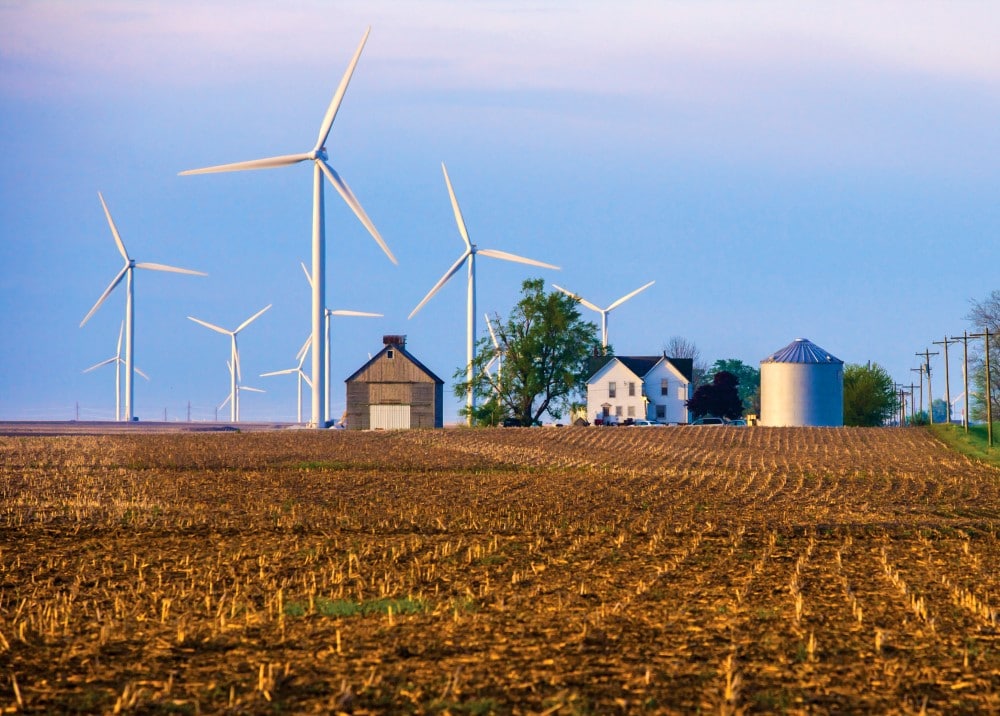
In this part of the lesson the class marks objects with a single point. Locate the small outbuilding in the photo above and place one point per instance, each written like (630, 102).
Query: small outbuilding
(801, 385)
(394, 391)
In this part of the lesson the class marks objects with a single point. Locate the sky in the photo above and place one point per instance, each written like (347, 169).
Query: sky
(781, 169)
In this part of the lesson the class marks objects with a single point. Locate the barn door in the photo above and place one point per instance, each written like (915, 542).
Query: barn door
(389, 417)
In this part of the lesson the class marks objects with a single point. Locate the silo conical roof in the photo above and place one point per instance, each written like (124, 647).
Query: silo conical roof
(801, 350)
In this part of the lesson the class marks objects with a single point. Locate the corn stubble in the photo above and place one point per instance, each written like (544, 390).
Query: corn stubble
(498, 571)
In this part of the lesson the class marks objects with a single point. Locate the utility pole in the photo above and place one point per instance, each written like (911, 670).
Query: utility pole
(920, 370)
(930, 398)
(913, 395)
(965, 375)
(78, 411)
(947, 376)
(989, 388)
(189, 411)
(901, 391)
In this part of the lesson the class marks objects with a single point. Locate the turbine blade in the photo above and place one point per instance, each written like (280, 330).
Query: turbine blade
(352, 201)
(268, 163)
(121, 330)
(98, 365)
(252, 390)
(360, 314)
(338, 96)
(223, 403)
(301, 355)
(306, 379)
(252, 318)
(581, 299)
(458, 212)
(623, 299)
(309, 277)
(117, 280)
(211, 326)
(279, 372)
(140, 372)
(493, 335)
(172, 269)
(444, 279)
(114, 229)
(493, 253)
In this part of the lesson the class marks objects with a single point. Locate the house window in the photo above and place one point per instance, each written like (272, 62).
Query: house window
(631, 390)
(390, 354)
(682, 392)
(664, 387)
(661, 412)
(618, 410)
(631, 411)
(612, 390)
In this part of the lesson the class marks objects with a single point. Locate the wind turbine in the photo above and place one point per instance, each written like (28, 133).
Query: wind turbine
(239, 388)
(297, 370)
(126, 272)
(328, 314)
(497, 353)
(117, 360)
(604, 311)
(471, 250)
(234, 358)
(318, 156)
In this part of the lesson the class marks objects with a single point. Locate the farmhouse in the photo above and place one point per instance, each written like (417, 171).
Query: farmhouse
(393, 391)
(639, 387)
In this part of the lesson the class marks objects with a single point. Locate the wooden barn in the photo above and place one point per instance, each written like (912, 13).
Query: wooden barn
(394, 391)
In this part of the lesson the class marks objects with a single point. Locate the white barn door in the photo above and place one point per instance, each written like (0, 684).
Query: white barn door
(389, 417)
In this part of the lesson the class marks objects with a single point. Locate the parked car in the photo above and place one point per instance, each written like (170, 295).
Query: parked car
(709, 421)
(644, 424)
(738, 423)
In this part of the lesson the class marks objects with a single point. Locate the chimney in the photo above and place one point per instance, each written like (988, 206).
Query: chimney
(399, 341)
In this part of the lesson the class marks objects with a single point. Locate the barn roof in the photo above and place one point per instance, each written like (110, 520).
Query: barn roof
(401, 350)
(801, 350)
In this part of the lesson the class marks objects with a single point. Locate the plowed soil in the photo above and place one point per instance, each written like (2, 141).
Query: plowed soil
(546, 570)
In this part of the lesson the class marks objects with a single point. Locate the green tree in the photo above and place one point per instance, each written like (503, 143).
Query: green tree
(749, 381)
(870, 396)
(544, 349)
(985, 314)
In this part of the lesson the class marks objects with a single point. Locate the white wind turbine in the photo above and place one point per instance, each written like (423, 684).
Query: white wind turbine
(234, 358)
(604, 311)
(299, 373)
(498, 352)
(318, 156)
(328, 314)
(126, 272)
(239, 388)
(118, 361)
(471, 250)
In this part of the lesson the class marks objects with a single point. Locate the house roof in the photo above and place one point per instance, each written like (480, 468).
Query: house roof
(400, 349)
(801, 350)
(641, 365)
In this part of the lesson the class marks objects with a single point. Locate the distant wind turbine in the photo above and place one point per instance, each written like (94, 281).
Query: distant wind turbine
(299, 373)
(126, 272)
(234, 358)
(498, 352)
(604, 311)
(328, 314)
(118, 361)
(318, 156)
(236, 391)
(471, 250)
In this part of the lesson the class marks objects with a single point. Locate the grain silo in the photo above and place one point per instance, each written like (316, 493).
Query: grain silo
(801, 385)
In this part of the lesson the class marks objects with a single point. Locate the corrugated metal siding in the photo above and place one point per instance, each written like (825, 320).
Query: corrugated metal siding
(389, 417)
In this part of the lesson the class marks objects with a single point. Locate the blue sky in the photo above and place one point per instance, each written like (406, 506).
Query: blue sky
(781, 169)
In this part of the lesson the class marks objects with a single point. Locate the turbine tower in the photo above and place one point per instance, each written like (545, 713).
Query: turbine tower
(471, 250)
(234, 359)
(318, 156)
(604, 311)
(239, 389)
(126, 272)
(117, 360)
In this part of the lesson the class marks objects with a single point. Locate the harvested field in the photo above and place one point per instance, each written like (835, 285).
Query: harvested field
(559, 571)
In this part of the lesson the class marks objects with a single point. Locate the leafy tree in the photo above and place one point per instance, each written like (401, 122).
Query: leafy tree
(985, 314)
(870, 396)
(545, 346)
(749, 381)
(719, 398)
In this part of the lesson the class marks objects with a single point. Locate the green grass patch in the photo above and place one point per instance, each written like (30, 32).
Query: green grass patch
(351, 608)
(973, 444)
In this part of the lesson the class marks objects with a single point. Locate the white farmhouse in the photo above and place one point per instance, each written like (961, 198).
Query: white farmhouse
(639, 387)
